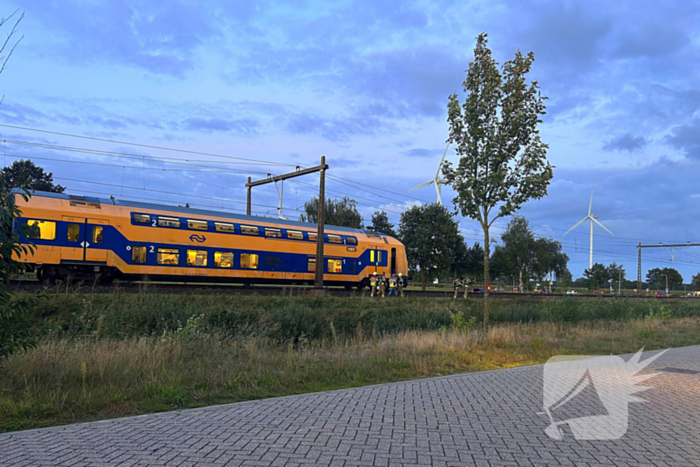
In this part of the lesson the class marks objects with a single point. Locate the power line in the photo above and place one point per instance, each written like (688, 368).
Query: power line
(185, 151)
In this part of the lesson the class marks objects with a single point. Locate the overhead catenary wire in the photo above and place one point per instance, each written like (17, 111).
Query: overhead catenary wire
(185, 151)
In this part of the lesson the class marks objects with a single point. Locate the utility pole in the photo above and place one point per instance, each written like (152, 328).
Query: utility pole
(639, 268)
(619, 281)
(250, 188)
(321, 218)
(318, 283)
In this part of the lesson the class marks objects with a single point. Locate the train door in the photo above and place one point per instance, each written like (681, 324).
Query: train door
(376, 258)
(393, 261)
(84, 237)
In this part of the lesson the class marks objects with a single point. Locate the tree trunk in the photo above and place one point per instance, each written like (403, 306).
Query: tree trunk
(520, 282)
(487, 248)
(422, 277)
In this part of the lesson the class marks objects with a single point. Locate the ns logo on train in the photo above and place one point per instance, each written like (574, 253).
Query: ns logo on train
(198, 238)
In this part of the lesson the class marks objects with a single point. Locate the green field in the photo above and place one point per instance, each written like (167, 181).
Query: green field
(107, 355)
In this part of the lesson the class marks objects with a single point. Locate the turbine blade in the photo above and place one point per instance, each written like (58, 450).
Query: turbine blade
(606, 229)
(577, 224)
(422, 185)
(439, 196)
(437, 174)
(591, 203)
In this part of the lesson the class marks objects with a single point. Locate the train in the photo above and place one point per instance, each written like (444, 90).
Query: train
(83, 238)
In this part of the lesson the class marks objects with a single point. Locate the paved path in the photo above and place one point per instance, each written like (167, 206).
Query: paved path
(487, 418)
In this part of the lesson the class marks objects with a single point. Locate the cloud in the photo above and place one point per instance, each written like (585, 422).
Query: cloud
(421, 152)
(686, 138)
(336, 129)
(626, 142)
(160, 37)
(239, 126)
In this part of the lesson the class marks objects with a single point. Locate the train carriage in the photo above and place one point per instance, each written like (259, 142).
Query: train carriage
(87, 238)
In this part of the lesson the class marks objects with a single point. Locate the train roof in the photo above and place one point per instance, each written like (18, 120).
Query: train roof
(192, 211)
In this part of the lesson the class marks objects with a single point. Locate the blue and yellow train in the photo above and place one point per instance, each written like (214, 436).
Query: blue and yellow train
(86, 238)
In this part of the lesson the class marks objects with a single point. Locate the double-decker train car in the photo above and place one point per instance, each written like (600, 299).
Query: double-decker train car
(86, 238)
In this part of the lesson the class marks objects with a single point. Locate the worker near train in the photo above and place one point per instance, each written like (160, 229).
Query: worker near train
(373, 283)
(392, 285)
(399, 285)
(456, 284)
(467, 284)
(382, 284)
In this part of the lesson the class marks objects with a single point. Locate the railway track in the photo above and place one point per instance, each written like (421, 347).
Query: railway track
(219, 289)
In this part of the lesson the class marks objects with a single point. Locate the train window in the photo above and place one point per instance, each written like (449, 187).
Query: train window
(141, 218)
(40, 230)
(96, 236)
(351, 248)
(249, 230)
(169, 256)
(73, 232)
(197, 225)
(168, 222)
(295, 235)
(351, 240)
(272, 261)
(274, 233)
(312, 264)
(335, 265)
(197, 258)
(313, 236)
(335, 239)
(138, 254)
(379, 256)
(385, 240)
(221, 227)
(223, 259)
(249, 261)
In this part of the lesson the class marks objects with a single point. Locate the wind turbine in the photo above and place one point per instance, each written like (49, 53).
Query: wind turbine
(437, 181)
(593, 219)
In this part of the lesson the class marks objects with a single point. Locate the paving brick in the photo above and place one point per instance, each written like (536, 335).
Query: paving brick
(473, 419)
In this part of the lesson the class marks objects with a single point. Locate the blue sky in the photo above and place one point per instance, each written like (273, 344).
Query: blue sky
(366, 84)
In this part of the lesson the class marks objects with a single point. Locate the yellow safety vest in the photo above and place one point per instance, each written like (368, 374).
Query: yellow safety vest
(392, 282)
(373, 280)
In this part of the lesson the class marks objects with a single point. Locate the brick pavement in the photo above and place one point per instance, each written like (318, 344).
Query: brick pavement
(486, 418)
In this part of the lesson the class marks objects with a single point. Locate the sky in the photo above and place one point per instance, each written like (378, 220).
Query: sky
(251, 88)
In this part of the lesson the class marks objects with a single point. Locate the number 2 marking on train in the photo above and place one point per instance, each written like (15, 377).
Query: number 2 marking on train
(154, 223)
(152, 249)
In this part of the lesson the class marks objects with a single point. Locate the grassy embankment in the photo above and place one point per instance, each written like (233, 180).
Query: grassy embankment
(102, 356)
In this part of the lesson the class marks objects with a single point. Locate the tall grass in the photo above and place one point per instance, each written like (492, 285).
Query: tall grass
(86, 376)
(127, 315)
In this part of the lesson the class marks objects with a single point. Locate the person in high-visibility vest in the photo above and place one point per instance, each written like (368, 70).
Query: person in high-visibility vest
(382, 284)
(399, 284)
(392, 285)
(456, 284)
(373, 283)
(467, 283)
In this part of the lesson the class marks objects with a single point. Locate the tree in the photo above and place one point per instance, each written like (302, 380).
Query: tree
(503, 162)
(380, 223)
(25, 173)
(14, 314)
(616, 273)
(431, 237)
(695, 283)
(518, 246)
(548, 258)
(598, 276)
(342, 213)
(657, 278)
(475, 261)
(564, 278)
(6, 48)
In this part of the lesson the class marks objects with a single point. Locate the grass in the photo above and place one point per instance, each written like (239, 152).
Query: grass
(102, 361)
